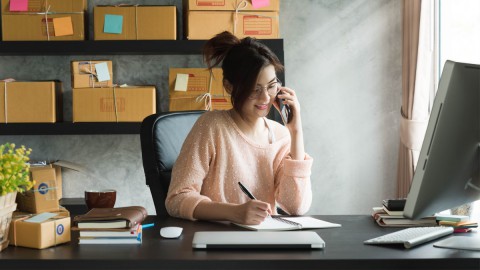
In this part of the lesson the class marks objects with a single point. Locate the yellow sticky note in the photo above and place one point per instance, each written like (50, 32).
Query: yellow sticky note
(181, 82)
(63, 26)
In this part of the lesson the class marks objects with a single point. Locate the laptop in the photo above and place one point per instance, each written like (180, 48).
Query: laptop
(257, 239)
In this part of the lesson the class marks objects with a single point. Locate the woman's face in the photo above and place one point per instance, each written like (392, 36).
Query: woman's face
(255, 107)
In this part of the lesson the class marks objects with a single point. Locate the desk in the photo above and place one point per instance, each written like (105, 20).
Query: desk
(344, 250)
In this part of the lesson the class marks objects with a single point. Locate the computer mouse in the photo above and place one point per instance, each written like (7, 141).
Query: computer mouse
(171, 232)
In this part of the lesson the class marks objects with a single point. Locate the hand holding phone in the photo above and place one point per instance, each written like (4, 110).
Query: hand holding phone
(285, 110)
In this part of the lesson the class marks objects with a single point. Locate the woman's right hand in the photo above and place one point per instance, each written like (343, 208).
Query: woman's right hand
(252, 212)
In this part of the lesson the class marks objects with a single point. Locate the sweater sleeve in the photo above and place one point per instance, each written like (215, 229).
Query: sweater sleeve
(293, 190)
(190, 170)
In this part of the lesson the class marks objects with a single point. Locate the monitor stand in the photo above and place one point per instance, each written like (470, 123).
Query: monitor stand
(460, 242)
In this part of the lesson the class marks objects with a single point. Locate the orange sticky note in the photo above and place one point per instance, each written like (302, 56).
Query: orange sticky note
(63, 26)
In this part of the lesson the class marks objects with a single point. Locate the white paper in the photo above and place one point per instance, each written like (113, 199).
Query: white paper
(41, 217)
(102, 72)
(181, 82)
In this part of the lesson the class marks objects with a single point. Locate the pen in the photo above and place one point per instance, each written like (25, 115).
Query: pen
(250, 195)
(245, 190)
(144, 226)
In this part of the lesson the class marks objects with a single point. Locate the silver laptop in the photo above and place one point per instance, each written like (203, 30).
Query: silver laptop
(257, 239)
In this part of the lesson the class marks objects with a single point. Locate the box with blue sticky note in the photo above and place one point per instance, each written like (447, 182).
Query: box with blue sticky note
(44, 196)
(41, 230)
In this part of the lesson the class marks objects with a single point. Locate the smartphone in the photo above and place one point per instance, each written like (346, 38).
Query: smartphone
(285, 111)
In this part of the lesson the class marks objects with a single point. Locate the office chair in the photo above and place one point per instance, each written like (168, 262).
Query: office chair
(161, 137)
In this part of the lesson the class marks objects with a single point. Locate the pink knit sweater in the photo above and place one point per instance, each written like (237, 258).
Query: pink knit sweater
(216, 155)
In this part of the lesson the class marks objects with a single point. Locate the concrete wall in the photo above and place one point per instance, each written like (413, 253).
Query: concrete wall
(342, 57)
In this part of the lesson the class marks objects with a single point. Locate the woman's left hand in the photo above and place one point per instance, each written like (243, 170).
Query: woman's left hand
(288, 97)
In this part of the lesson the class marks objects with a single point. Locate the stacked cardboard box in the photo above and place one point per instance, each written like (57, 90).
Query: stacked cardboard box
(84, 74)
(135, 23)
(197, 89)
(44, 196)
(113, 104)
(206, 18)
(43, 20)
(35, 231)
(30, 102)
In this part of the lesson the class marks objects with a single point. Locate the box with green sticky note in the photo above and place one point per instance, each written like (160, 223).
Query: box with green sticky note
(49, 20)
(135, 22)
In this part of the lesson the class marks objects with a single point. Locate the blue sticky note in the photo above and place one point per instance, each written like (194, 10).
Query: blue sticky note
(41, 217)
(113, 24)
(102, 71)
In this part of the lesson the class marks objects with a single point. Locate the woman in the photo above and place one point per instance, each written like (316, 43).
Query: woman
(242, 145)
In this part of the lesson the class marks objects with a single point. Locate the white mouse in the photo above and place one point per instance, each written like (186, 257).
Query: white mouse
(171, 232)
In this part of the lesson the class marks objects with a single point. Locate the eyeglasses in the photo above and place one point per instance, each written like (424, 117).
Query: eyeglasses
(272, 89)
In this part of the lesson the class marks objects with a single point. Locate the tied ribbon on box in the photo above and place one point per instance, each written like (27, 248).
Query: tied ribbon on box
(5, 81)
(88, 67)
(240, 7)
(46, 13)
(205, 97)
(136, 16)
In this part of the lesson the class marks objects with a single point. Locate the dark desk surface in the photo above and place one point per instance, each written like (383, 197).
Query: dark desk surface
(344, 250)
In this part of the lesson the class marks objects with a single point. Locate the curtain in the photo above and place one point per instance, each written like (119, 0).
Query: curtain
(417, 86)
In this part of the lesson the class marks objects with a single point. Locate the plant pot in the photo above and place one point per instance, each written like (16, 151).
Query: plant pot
(7, 206)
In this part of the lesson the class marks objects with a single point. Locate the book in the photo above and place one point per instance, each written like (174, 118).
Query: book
(289, 223)
(111, 218)
(454, 218)
(392, 213)
(110, 240)
(383, 219)
(131, 233)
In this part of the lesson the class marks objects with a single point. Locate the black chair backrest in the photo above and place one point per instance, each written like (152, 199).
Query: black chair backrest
(161, 137)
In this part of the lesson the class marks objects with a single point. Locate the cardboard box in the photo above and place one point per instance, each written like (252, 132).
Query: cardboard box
(206, 24)
(200, 82)
(131, 104)
(43, 197)
(135, 23)
(65, 20)
(84, 74)
(40, 235)
(274, 5)
(30, 102)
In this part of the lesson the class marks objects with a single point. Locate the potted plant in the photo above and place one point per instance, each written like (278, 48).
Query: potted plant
(14, 177)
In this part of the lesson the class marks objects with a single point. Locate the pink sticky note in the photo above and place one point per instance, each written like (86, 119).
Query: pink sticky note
(18, 5)
(260, 3)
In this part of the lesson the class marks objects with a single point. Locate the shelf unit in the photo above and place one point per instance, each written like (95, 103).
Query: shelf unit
(110, 47)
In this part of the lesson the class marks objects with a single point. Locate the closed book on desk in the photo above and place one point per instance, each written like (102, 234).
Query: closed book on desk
(289, 223)
(110, 240)
(105, 218)
(130, 233)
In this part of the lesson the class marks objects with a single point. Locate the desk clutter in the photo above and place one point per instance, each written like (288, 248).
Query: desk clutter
(60, 20)
(390, 214)
(120, 225)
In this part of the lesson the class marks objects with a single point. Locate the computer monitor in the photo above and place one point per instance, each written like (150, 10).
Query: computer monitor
(447, 172)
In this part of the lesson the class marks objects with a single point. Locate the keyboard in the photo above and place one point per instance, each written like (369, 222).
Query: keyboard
(411, 237)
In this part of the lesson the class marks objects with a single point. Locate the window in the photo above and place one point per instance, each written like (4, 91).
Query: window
(458, 39)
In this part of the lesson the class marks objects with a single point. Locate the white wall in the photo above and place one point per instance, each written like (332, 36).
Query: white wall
(344, 60)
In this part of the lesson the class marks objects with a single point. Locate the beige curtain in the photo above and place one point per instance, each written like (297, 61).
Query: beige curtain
(418, 85)
(411, 27)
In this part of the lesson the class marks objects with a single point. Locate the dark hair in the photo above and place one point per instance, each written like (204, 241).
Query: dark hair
(242, 60)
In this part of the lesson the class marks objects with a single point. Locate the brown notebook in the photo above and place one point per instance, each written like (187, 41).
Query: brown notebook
(111, 218)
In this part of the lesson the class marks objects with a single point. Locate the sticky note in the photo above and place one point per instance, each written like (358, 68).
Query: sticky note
(41, 217)
(113, 24)
(260, 3)
(63, 26)
(18, 5)
(181, 82)
(102, 72)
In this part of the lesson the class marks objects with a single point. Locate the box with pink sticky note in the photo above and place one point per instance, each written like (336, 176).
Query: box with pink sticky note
(36, 20)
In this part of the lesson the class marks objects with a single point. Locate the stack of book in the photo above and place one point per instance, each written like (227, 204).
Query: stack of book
(387, 218)
(460, 224)
(111, 225)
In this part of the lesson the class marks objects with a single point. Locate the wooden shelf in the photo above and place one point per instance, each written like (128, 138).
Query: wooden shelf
(110, 47)
(116, 47)
(68, 128)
